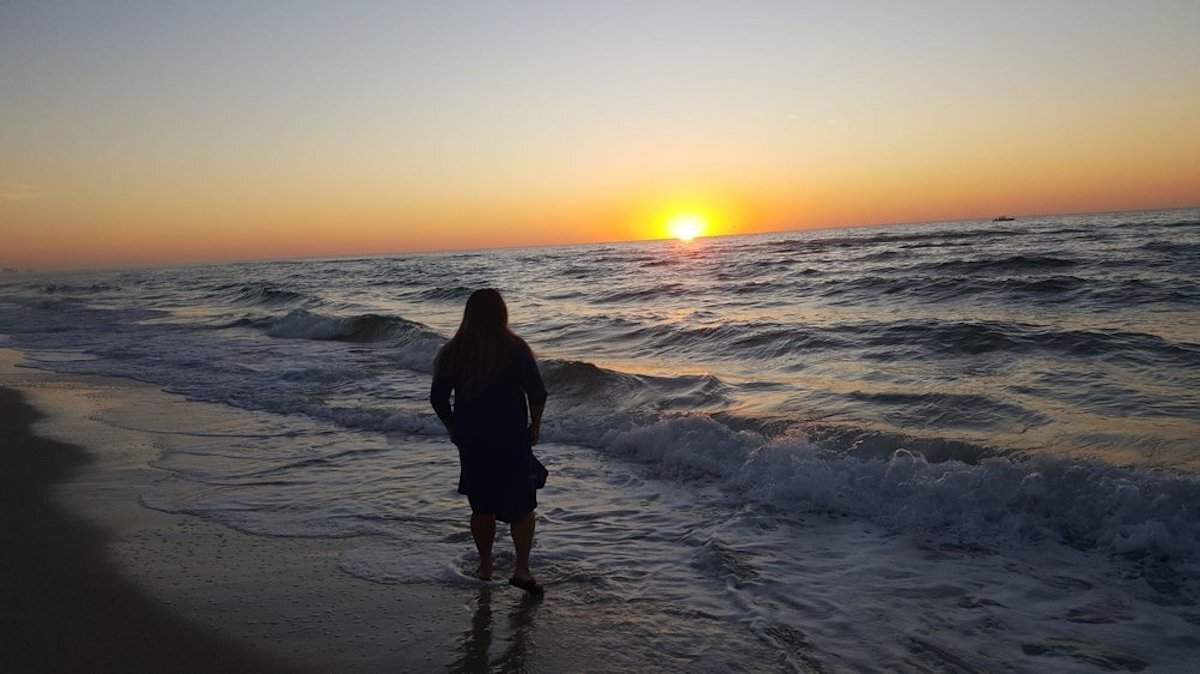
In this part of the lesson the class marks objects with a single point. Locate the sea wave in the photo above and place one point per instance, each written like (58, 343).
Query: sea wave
(660, 291)
(755, 340)
(949, 410)
(359, 328)
(255, 294)
(1083, 503)
(1012, 263)
(445, 294)
(1018, 290)
(602, 389)
(1191, 249)
(77, 288)
(414, 345)
(937, 237)
(973, 338)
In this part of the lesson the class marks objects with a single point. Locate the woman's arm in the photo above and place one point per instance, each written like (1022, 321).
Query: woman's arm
(535, 423)
(439, 397)
(535, 391)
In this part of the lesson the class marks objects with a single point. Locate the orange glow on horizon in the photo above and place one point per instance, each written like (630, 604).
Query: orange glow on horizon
(78, 231)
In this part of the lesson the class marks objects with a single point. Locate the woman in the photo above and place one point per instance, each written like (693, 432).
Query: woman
(492, 374)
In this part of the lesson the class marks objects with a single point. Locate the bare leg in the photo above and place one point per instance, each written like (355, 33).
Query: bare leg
(522, 535)
(483, 530)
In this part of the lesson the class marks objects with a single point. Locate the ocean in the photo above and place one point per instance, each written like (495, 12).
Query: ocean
(954, 446)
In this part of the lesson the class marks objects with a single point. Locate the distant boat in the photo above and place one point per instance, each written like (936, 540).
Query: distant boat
(1003, 218)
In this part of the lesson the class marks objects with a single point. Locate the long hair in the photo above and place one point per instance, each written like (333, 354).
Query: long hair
(481, 347)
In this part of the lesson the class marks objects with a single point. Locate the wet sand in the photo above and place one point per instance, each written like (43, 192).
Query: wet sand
(67, 607)
(91, 580)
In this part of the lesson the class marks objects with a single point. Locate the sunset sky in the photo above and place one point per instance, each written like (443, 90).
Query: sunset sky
(137, 133)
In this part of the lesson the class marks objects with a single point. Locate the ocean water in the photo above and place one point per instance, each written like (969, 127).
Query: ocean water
(960, 446)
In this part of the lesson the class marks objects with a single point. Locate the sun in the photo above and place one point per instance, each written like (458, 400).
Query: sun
(686, 226)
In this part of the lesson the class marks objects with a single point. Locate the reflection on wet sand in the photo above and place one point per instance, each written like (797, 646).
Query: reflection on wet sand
(515, 636)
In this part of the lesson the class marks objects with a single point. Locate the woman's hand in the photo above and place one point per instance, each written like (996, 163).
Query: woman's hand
(535, 423)
(450, 430)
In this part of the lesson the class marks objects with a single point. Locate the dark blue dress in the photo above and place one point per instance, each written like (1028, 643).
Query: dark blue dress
(491, 430)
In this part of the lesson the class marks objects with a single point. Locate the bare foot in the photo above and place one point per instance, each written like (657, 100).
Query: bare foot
(484, 572)
(527, 583)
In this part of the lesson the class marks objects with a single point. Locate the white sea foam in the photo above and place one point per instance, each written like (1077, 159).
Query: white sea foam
(998, 501)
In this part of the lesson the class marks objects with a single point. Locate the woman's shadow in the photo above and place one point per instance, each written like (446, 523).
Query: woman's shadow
(475, 650)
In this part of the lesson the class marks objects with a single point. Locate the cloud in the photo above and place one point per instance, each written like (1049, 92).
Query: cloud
(23, 192)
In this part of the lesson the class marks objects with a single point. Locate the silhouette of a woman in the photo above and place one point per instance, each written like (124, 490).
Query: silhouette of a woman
(494, 420)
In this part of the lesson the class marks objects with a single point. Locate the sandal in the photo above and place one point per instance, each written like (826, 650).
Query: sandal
(528, 584)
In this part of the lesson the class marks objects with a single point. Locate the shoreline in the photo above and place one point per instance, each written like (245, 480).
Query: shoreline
(97, 581)
(68, 607)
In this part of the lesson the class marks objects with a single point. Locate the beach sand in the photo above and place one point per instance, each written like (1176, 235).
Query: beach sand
(94, 581)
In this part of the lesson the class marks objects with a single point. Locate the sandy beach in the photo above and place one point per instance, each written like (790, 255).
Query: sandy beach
(68, 607)
(94, 581)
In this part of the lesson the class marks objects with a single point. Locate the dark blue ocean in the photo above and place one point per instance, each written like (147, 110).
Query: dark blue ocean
(957, 446)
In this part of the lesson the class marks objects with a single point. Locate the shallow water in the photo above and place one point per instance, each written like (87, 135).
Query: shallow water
(939, 447)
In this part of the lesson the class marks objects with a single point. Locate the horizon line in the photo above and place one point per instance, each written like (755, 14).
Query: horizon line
(10, 272)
